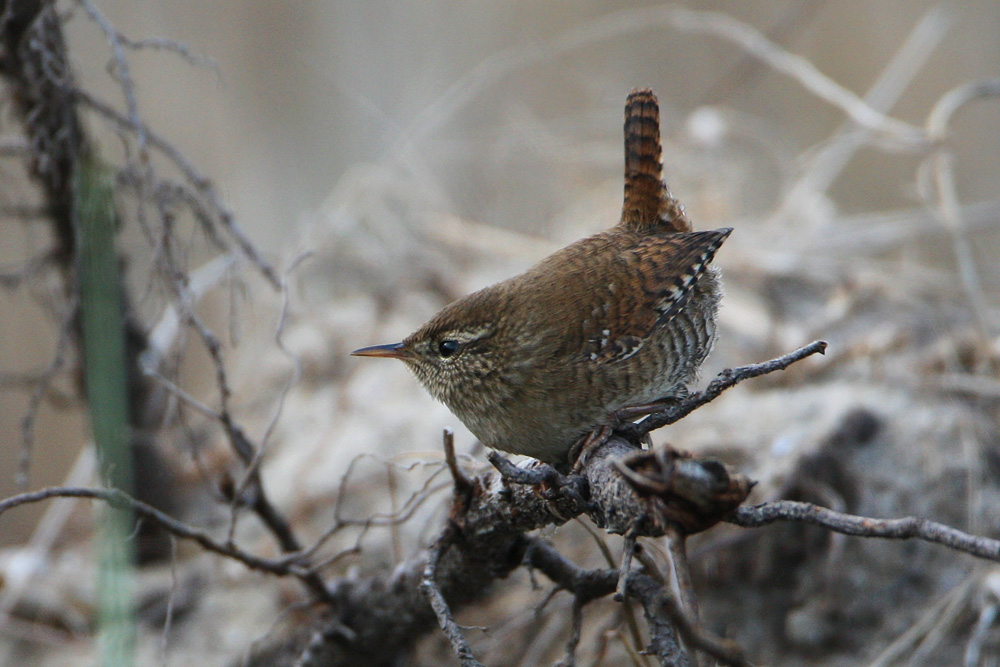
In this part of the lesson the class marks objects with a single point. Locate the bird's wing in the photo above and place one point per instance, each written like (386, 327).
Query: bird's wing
(661, 273)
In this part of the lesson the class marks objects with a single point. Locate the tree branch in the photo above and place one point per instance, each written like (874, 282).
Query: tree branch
(288, 565)
(447, 622)
(377, 619)
(728, 378)
(861, 526)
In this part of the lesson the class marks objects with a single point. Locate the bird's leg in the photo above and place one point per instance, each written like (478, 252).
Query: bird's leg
(630, 413)
(619, 418)
(623, 419)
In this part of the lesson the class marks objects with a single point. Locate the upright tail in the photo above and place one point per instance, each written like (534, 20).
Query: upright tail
(648, 207)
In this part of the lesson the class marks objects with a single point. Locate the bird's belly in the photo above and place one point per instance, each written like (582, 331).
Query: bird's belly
(683, 347)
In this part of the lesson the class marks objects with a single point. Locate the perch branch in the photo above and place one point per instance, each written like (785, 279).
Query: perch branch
(728, 378)
(377, 618)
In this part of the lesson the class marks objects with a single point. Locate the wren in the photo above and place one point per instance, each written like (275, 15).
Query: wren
(535, 363)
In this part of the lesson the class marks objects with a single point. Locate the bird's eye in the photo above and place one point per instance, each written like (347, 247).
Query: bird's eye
(447, 347)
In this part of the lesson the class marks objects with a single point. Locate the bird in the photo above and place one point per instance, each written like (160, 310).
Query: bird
(618, 322)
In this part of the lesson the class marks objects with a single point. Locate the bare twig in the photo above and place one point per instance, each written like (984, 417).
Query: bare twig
(729, 377)
(463, 485)
(904, 642)
(655, 601)
(447, 622)
(947, 192)
(803, 71)
(681, 589)
(14, 146)
(587, 585)
(67, 329)
(395, 517)
(168, 618)
(121, 500)
(208, 207)
(226, 218)
(539, 474)
(34, 62)
(542, 474)
(253, 456)
(987, 617)
(122, 71)
(152, 43)
(830, 160)
(680, 573)
(45, 536)
(486, 521)
(849, 524)
(279, 341)
(616, 24)
(576, 628)
(628, 553)
(290, 565)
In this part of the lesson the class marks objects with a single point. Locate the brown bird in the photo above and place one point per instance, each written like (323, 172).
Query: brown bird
(536, 363)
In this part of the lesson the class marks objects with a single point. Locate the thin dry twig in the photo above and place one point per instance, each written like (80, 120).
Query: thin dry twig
(429, 587)
(576, 629)
(837, 151)
(172, 262)
(614, 25)
(680, 586)
(150, 43)
(168, 618)
(728, 378)
(122, 71)
(14, 146)
(860, 526)
(913, 634)
(628, 553)
(587, 585)
(43, 540)
(279, 341)
(724, 650)
(463, 485)
(680, 572)
(974, 648)
(120, 500)
(290, 565)
(41, 388)
(803, 71)
(946, 190)
(202, 185)
(627, 612)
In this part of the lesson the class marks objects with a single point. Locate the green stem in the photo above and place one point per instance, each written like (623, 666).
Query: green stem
(102, 326)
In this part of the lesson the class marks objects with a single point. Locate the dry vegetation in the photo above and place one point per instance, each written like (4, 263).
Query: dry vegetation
(854, 150)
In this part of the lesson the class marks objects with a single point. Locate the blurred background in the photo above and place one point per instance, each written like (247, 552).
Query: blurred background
(397, 156)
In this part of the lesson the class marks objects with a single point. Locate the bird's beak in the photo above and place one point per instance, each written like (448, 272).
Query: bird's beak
(391, 351)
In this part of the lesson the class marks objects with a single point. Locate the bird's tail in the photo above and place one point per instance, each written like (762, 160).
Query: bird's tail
(648, 207)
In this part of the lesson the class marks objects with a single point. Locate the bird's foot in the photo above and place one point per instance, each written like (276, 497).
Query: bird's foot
(582, 448)
(547, 482)
(630, 413)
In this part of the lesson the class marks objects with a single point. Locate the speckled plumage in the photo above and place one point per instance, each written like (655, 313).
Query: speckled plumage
(623, 317)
